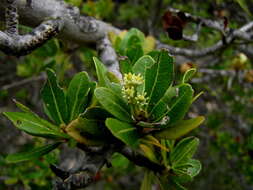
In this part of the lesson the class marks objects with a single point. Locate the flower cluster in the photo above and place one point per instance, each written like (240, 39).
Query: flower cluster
(132, 80)
(132, 93)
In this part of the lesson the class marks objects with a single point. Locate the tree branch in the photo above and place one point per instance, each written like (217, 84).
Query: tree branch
(54, 16)
(140, 160)
(84, 29)
(228, 36)
(23, 82)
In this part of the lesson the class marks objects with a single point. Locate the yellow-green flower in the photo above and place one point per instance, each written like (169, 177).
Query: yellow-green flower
(141, 100)
(132, 80)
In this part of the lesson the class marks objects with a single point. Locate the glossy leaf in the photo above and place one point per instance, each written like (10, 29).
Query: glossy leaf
(183, 151)
(93, 127)
(142, 64)
(187, 170)
(188, 75)
(32, 154)
(179, 129)
(149, 152)
(77, 94)
(159, 77)
(112, 77)
(28, 110)
(124, 131)
(125, 65)
(86, 132)
(113, 104)
(161, 108)
(32, 125)
(101, 70)
(149, 139)
(120, 162)
(167, 183)
(133, 36)
(54, 99)
(97, 113)
(134, 52)
(181, 104)
(195, 167)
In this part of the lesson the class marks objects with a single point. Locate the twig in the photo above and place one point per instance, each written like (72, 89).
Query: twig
(22, 82)
(228, 37)
(141, 160)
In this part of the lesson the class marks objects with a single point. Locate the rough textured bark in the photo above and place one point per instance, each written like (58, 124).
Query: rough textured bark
(51, 17)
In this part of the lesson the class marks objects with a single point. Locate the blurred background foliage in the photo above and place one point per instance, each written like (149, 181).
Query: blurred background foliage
(226, 149)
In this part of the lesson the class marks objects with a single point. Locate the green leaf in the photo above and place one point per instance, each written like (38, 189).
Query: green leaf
(170, 182)
(179, 129)
(147, 181)
(161, 108)
(244, 6)
(187, 170)
(112, 77)
(149, 152)
(134, 52)
(158, 78)
(87, 132)
(54, 99)
(120, 162)
(32, 154)
(101, 70)
(195, 167)
(125, 65)
(133, 36)
(175, 184)
(96, 113)
(142, 64)
(188, 75)
(77, 94)
(94, 127)
(116, 88)
(132, 45)
(113, 103)
(124, 131)
(181, 104)
(32, 125)
(183, 151)
(28, 110)
(11, 181)
(23, 107)
(164, 153)
(91, 100)
(250, 142)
